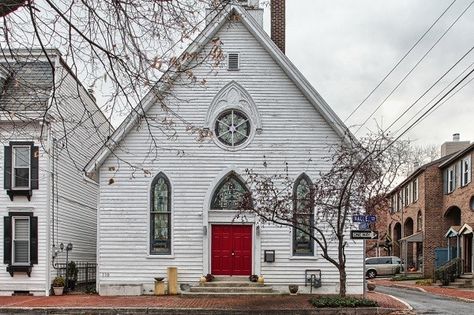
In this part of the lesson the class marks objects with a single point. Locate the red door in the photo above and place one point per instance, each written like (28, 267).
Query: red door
(231, 250)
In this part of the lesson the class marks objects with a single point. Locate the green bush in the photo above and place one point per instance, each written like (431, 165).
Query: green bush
(405, 278)
(58, 282)
(338, 301)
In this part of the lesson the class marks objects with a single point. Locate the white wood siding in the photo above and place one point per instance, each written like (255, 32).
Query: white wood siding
(293, 132)
(75, 199)
(36, 284)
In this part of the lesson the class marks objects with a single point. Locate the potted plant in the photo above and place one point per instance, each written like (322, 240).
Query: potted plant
(293, 288)
(72, 272)
(253, 278)
(209, 277)
(58, 285)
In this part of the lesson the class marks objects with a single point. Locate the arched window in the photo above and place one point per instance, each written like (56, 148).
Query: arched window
(303, 216)
(231, 194)
(160, 216)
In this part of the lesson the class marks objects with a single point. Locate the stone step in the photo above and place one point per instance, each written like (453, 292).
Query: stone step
(220, 294)
(231, 278)
(226, 290)
(230, 284)
(466, 276)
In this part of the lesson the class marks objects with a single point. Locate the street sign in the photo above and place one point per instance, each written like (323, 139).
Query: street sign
(364, 235)
(364, 218)
(364, 226)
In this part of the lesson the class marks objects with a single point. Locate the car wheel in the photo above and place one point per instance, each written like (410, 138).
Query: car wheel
(371, 274)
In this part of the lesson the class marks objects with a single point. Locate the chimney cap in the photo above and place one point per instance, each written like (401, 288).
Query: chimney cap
(456, 136)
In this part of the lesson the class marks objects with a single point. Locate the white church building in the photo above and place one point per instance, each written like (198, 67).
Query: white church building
(168, 198)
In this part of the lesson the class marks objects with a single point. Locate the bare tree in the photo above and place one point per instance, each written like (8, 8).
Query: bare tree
(361, 174)
(124, 48)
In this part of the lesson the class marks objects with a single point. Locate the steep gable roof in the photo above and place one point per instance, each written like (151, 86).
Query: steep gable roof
(198, 44)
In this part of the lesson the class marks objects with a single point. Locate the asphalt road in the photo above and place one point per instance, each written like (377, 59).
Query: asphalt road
(426, 303)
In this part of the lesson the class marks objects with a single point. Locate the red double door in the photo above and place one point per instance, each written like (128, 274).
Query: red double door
(231, 250)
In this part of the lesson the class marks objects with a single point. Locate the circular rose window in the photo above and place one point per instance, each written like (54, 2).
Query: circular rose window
(232, 128)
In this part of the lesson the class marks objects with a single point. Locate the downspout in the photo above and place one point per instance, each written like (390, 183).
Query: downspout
(48, 208)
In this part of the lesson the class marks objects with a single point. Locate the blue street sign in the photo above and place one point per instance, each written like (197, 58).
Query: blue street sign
(364, 218)
(363, 226)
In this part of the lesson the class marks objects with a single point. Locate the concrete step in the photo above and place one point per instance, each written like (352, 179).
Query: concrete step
(231, 278)
(230, 284)
(466, 276)
(221, 289)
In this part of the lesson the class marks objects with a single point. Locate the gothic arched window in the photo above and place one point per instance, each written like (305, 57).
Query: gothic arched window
(303, 216)
(231, 194)
(160, 216)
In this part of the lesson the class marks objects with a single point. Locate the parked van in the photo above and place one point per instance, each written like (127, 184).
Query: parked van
(382, 266)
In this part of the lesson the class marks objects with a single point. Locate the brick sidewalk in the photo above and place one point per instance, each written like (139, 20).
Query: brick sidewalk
(241, 303)
(465, 294)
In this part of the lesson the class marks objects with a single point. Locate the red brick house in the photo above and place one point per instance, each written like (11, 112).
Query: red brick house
(431, 209)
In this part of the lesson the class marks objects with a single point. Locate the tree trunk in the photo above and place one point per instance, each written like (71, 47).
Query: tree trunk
(342, 280)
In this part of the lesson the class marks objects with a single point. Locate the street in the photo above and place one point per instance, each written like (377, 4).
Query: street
(426, 303)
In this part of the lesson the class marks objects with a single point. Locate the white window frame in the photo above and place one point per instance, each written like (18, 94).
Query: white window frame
(415, 190)
(13, 159)
(451, 178)
(28, 239)
(465, 171)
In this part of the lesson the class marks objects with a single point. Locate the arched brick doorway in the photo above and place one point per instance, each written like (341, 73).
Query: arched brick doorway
(396, 236)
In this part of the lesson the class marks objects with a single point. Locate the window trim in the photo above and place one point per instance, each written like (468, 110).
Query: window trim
(13, 177)
(294, 230)
(466, 170)
(451, 179)
(151, 213)
(231, 175)
(13, 226)
(415, 190)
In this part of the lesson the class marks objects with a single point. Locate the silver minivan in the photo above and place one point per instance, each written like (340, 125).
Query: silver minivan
(382, 266)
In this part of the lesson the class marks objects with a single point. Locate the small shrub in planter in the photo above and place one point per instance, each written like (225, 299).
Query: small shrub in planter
(426, 282)
(253, 278)
(209, 277)
(293, 288)
(58, 285)
(338, 301)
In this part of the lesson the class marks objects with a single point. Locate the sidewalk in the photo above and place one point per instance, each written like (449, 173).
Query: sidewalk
(462, 294)
(177, 305)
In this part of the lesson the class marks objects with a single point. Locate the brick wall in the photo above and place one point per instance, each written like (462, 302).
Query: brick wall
(278, 23)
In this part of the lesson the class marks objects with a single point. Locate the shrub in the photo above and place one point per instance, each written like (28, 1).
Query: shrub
(405, 278)
(58, 282)
(72, 270)
(339, 301)
(426, 282)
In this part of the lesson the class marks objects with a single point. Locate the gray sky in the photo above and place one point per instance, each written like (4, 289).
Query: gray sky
(344, 48)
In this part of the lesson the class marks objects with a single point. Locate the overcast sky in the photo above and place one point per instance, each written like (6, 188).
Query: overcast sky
(345, 48)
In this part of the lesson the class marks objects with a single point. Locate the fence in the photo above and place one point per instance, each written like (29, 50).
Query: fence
(86, 271)
(449, 271)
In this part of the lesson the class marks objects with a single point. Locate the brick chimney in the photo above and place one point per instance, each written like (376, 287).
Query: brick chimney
(450, 147)
(278, 23)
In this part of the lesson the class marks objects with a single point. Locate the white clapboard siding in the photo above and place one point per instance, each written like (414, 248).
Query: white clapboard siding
(75, 216)
(293, 132)
(36, 284)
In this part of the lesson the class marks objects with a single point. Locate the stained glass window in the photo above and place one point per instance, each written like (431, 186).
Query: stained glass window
(231, 194)
(303, 215)
(160, 216)
(232, 128)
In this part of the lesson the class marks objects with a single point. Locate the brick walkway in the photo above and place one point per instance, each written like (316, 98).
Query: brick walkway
(285, 302)
(465, 294)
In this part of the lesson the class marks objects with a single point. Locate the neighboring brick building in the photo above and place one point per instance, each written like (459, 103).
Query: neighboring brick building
(436, 198)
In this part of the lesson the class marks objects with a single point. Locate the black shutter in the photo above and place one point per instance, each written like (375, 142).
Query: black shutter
(34, 240)
(7, 240)
(445, 181)
(34, 167)
(7, 174)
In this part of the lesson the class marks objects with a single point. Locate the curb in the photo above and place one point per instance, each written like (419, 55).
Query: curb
(426, 291)
(409, 307)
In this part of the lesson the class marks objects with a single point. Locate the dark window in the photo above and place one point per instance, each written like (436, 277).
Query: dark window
(303, 216)
(160, 216)
(21, 169)
(232, 128)
(20, 242)
(231, 194)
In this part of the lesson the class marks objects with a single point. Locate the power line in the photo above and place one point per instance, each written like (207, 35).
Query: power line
(431, 87)
(399, 62)
(415, 66)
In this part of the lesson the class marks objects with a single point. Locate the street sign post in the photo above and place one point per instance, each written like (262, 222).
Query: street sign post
(364, 218)
(364, 235)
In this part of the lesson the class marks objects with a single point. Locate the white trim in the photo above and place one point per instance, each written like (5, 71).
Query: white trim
(202, 39)
(13, 147)
(466, 169)
(171, 254)
(28, 238)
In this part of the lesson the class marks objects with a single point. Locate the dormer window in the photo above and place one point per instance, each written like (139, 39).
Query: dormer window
(233, 61)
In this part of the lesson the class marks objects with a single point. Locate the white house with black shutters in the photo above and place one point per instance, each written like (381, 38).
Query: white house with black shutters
(46, 200)
(171, 200)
